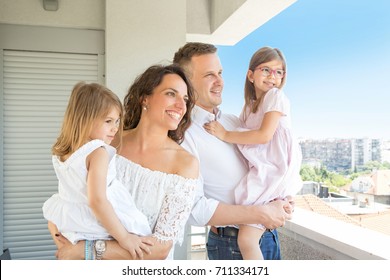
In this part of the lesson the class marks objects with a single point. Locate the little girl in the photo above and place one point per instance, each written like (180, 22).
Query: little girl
(91, 203)
(275, 164)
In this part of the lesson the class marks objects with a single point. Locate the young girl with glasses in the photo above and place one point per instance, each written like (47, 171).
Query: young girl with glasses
(91, 203)
(266, 140)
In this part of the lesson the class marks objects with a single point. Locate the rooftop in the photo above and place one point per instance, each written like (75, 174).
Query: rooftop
(375, 217)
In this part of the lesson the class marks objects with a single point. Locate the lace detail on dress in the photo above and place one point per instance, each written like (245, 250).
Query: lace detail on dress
(175, 211)
(165, 199)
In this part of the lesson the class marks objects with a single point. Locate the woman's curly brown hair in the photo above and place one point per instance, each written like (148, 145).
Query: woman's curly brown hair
(144, 85)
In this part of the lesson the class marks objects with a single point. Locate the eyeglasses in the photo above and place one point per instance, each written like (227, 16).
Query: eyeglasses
(266, 71)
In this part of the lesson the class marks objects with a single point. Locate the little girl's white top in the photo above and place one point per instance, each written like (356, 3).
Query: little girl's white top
(69, 209)
(274, 166)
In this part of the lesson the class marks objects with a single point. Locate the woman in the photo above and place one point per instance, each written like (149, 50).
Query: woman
(160, 175)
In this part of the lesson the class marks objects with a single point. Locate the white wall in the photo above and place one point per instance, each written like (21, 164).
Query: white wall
(138, 34)
(88, 14)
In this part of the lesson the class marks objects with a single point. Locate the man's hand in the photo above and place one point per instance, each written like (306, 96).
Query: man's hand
(275, 214)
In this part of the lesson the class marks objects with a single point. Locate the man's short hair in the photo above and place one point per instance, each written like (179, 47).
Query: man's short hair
(184, 54)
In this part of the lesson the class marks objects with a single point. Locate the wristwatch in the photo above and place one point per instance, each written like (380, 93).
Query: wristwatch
(100, 248)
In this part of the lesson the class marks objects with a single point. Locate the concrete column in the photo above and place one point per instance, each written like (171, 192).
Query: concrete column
(140, 33)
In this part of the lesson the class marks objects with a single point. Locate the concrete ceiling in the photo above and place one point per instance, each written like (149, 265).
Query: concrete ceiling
(226, 22)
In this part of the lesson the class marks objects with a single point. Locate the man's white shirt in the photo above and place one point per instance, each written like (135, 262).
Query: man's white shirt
(222, 166)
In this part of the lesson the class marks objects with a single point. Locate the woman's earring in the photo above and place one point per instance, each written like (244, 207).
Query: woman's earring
(144, 107)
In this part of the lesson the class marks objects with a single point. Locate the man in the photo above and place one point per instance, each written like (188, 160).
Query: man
(221, 164)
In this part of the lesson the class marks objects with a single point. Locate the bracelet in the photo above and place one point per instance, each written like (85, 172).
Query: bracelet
(93, 253)
(88, 250)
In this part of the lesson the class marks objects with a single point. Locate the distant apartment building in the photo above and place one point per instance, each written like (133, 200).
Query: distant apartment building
(385, 151)
(367, 150)
(376, 150)
(341, 154)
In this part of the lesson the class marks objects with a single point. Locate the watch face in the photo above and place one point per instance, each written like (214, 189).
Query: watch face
(100, 245)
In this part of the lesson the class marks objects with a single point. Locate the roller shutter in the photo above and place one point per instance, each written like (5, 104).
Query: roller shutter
(36, 88)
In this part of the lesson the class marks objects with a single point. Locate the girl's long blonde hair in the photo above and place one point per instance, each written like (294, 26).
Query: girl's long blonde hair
(263, 55)
(87, 103)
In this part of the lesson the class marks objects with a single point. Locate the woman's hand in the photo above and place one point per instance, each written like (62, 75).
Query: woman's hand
(68, 251)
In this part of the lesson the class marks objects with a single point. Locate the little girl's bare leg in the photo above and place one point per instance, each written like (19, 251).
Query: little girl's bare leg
(248, 241)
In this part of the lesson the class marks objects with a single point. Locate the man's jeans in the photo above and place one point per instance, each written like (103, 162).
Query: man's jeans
(226, 247)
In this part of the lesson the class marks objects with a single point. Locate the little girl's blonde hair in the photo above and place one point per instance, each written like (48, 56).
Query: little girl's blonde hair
(87, 103)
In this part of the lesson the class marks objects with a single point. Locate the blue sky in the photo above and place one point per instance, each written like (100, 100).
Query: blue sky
(338, 64)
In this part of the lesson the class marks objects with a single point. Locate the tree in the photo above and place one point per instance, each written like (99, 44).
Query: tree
(337, 180)
(386, 165)
(308, 174)
(321, 174)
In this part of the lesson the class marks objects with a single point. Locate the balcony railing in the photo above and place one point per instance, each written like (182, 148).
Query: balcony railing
(311, 236)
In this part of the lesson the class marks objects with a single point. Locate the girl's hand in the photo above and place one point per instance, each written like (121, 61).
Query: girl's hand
(148, 240)
(136, 245)
(289, 208)
(216, 129)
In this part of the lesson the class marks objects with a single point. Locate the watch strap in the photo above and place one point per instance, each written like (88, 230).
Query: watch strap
(99, 253)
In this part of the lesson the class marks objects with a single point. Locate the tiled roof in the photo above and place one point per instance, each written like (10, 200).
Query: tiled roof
(377, 221)
(313, 203)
